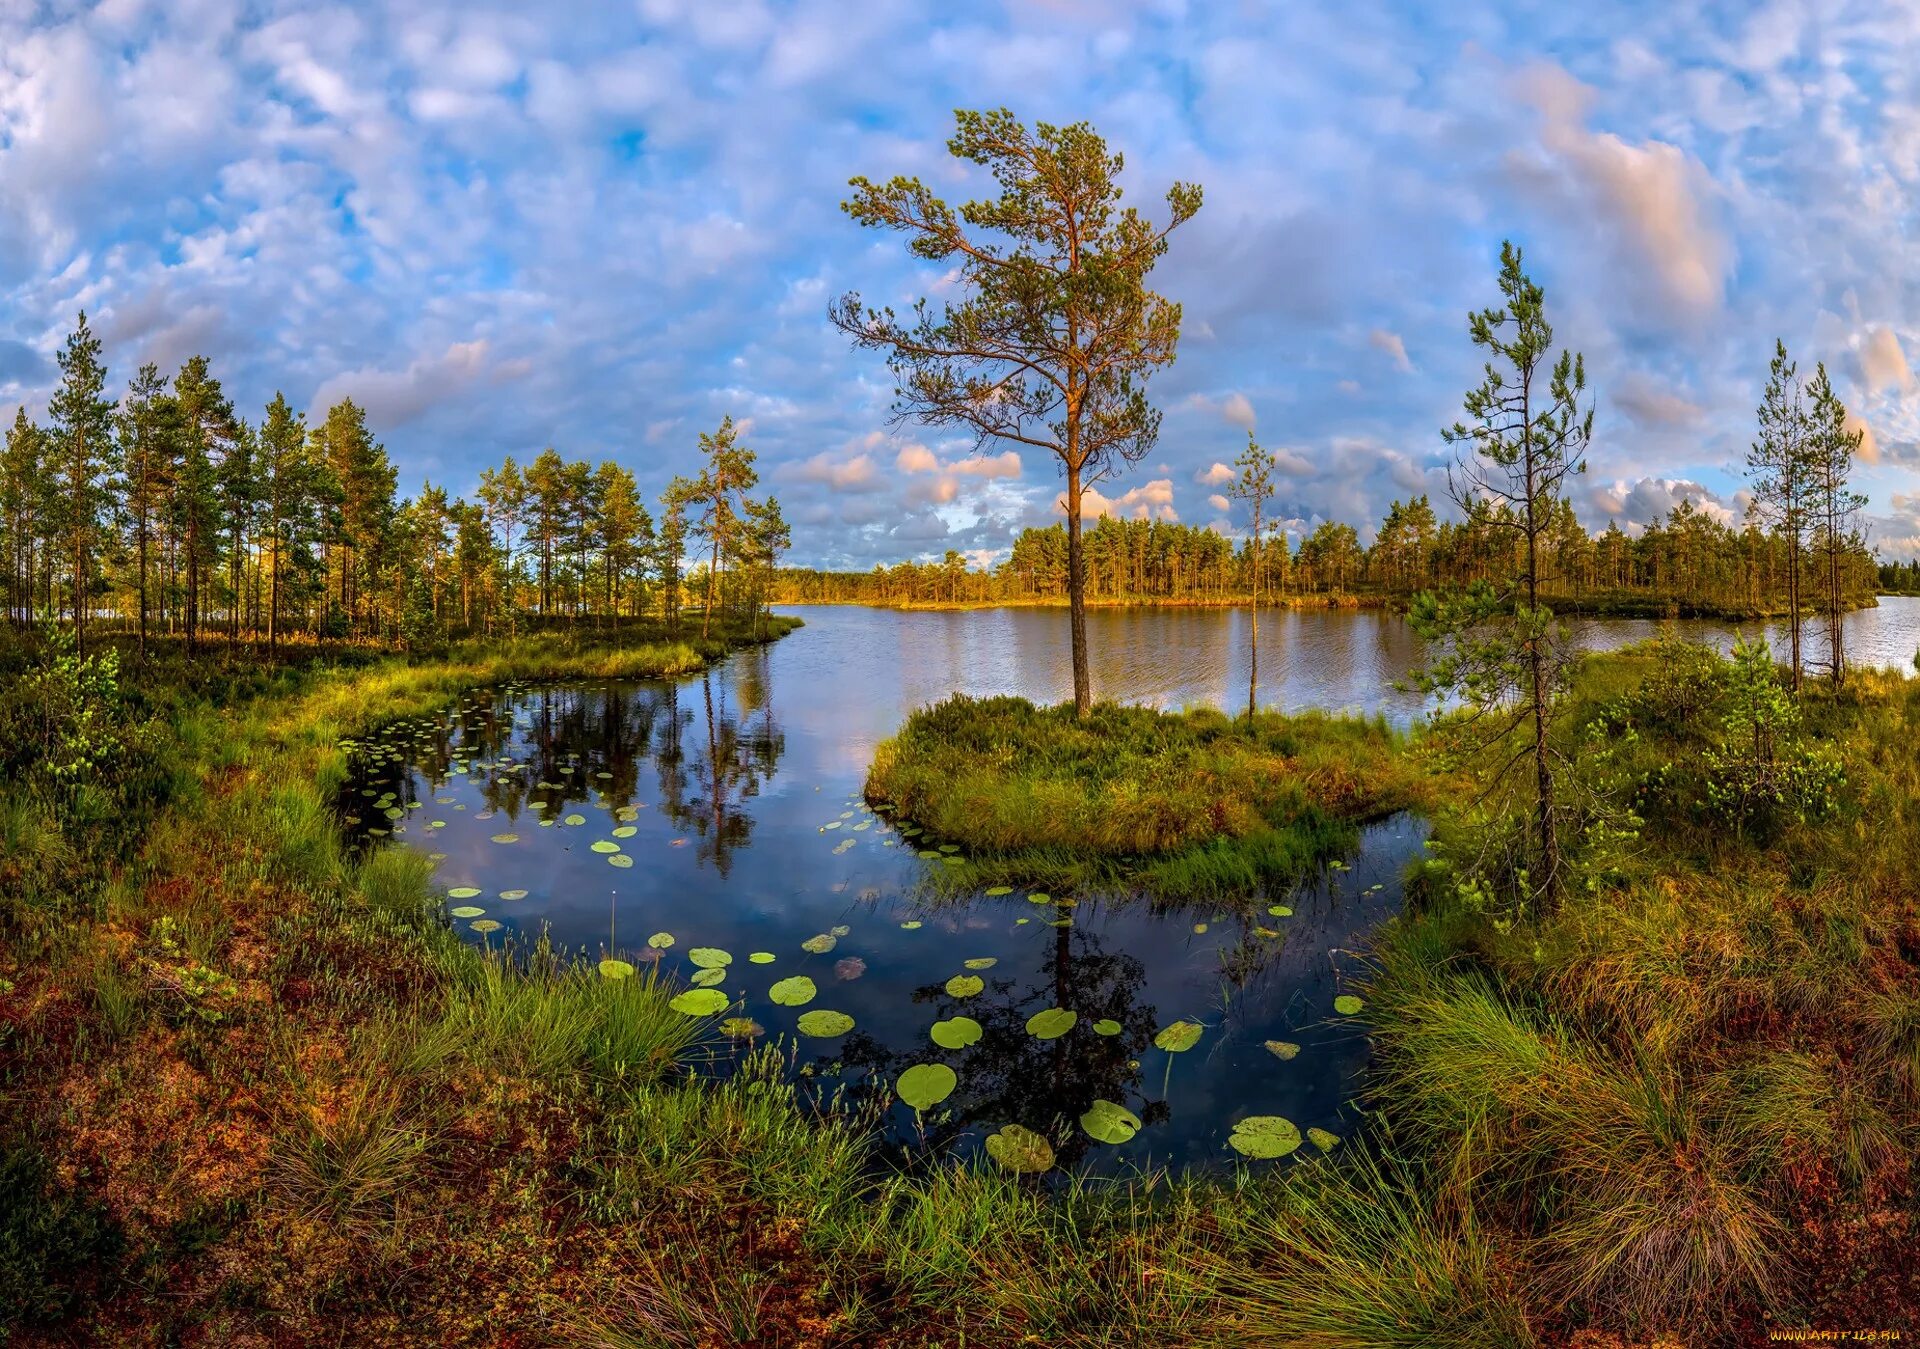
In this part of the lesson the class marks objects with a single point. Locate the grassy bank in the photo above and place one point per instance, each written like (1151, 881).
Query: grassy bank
(1189, 805)
(257, 1093)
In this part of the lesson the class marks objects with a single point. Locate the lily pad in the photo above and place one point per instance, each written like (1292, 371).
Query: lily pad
(660, 941)
(700, 1002)
(925, 1085)
(1279, 911)
(761, 957)
(820, 943)
(1108, 1122)
(466, 911)
(626, 831)
(513, 894)
(823, 1024)
(911, 925)
(484, 925)
(575, 818)
(741, 1028)
(1282, 1049)
(1346, 1004)
(621, 860)
(1323, 1140)
(1037, 897)
(506, 838)
(982, 962)
(708, 978)
(852, 967)
(1052, 1023)
(604, 845)
(1179, 1037)
(1106, 1026)
(956, 1033)
(995, 891)
(1264, 1136)
(965, 985)
(1020, 1149)
(463, 892)
(797, 991)
(709, 957)
(616, 969)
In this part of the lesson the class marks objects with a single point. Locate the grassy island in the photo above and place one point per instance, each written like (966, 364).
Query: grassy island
(1187, 805)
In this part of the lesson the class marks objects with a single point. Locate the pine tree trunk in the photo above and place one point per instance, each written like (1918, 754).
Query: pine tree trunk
(1077, 589)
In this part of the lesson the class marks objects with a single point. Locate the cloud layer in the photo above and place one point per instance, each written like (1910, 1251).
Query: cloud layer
(606, 227)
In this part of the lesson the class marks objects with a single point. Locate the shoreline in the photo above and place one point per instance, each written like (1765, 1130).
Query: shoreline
(1585, 607)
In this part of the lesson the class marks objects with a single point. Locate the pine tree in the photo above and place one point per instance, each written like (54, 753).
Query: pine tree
(25, 497)
(1834, 509)
(82, 450)
(728, 475)
(148, 447)
(1781, 466)
(1255, 487)
(207, 431)
(289, 498)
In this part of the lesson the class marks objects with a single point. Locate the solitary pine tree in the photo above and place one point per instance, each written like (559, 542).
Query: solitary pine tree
(1500, 648)
(1056, 332)
(1781, 468)
(1835, 509)
(81, 444)
(1255, 487)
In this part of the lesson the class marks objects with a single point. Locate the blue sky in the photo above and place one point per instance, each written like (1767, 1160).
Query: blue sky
(603, 226)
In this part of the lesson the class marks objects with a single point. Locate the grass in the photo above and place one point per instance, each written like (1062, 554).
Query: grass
(253, 1070)
(1187, 805)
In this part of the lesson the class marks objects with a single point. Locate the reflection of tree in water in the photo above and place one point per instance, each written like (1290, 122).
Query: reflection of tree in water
(1009, 1076)
(707, 774)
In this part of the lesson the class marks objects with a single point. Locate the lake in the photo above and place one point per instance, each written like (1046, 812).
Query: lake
(721, 815)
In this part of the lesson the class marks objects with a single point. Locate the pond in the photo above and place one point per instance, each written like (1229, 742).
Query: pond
(662, 822)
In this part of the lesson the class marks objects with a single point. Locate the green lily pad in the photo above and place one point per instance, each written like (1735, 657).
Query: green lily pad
(620, 859)
(1109, 1122)
(1279, 911)
(965, 985)
(995, 891)
(1179, 1037)
(660, 941)
(925, 1085)
(1346, 1004)
(700, 1002)
(574, 819)
(741, 1028)
(466, 911)
(956, 1033)
(604, 845)
(484, 925)
(1106, 1026)
(626, 831)
(820, 943)
(708, 978)
(506, 838)
(1282, 1049)
(709, 957)
(761, 957)
(1038, 897)
(911, 925)
(839, 930)
(1199, 929)
(824, 1025)
(513, 894)
(1020, 1149)
(982, 962)
(1264, 1136)
(616, 969)
(463, 892)
(1052, 1023)
(797, 991)
(1323, 1140)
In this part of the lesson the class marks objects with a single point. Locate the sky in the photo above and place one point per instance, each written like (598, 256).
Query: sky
(604, 226)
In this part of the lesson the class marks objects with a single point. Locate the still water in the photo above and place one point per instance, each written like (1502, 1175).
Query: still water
(723, 812)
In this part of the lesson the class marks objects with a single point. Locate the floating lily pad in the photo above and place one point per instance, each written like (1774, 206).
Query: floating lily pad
(709, 957)
(761, 957)
(484, 925)
(700, 1002)
(1179, 1037)
(1282, 1049)
(1279, 911)
(604, 845)
(1106, 1026)
(820, 944)
(466, 911)
(982, 962)
(840, 930)
(925, 1085)
(1323, 1140)
(506, 838)
(575, 818)
(956, 1033)
(616, 969)
(852, 967)
(823, 1024)
(797, 991)
(1346, 1004)
(1199, 929)
(965, 985)
(1052, 1023)
(1264, 1136)
(741, 1028)
(911, 925)
(708, 978)
(1109, 1122)
(621, 860)
(996, 891)
(660, 941)
(513, 894)
(463, 892)
(625, 831)
(1020, 1149)
(1037, 897)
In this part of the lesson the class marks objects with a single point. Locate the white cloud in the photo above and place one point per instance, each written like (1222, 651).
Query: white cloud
(1219, 502)
(1215, 474)
(1382, 340)
(394, 397)
(1149, 501)
(1883, 364)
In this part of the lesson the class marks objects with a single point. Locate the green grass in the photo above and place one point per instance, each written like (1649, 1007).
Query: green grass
(1187, 805)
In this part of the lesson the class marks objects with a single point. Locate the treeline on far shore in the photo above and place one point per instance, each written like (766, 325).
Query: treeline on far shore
(1688, 564)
